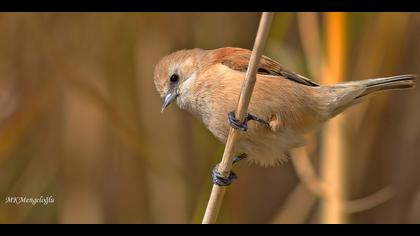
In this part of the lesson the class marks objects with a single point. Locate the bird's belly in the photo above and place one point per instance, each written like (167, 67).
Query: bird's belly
(271, 148)
(263, 146)
(220, 130)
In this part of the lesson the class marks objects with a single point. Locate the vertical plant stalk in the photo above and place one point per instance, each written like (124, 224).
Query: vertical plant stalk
(218, 192)
(309, 31)
(333, 155)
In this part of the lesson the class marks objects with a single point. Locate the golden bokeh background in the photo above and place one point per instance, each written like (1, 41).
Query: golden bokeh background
(80, 121)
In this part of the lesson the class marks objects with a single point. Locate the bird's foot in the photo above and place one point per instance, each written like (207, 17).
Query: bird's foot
(239, 158)
(236, 124)
(219, 179)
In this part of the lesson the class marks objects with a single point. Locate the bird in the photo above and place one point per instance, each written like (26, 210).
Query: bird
(284, 105)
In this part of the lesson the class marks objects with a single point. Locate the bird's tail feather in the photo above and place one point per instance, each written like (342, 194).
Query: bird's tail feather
(388, 83)
(353, 92)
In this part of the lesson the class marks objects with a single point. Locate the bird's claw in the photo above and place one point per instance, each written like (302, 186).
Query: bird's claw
(236, 124)
(219, 179)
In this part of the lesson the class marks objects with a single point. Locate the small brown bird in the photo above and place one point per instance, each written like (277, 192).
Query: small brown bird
(285, 105)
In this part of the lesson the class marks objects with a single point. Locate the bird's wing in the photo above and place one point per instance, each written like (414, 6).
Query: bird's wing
(238, 59)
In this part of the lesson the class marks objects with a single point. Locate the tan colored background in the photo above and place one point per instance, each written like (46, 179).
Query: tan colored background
(80, 119)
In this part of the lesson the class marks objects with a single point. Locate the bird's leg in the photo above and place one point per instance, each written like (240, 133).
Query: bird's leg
(239, 158)
(236, 124)
(219, 179)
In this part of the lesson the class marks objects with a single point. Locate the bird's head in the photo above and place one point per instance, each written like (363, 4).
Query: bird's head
(175, 72)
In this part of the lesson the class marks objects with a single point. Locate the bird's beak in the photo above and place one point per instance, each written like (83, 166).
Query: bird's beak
(169, 97)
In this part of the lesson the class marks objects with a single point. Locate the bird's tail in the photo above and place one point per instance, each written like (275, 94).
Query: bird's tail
(353, 92)
(388, 83)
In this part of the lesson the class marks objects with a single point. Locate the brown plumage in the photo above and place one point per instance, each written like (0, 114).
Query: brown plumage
(207, 83)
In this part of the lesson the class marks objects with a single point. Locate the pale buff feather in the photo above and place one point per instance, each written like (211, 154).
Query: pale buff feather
(290, 111)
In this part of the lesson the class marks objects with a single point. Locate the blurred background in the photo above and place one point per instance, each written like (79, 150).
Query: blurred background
(80, 121)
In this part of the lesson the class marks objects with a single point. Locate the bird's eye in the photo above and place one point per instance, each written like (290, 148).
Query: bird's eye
(174, 78)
